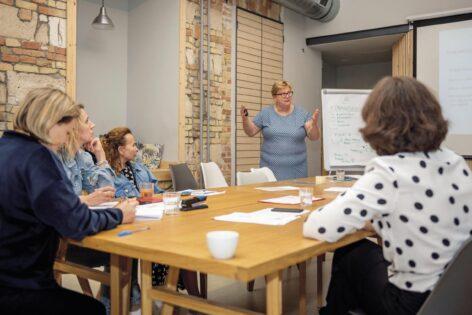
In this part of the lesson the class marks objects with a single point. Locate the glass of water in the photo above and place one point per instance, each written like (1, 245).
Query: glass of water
(306, 196)
(171, 202)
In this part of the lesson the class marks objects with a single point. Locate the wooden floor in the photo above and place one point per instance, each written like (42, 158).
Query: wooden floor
(235, 293)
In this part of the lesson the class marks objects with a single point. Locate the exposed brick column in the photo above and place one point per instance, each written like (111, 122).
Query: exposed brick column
(32, 51)
(221, 20)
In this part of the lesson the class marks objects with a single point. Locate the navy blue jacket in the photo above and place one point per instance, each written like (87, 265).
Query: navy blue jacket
(37, 206)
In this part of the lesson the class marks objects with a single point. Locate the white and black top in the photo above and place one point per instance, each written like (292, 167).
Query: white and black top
(420, 204)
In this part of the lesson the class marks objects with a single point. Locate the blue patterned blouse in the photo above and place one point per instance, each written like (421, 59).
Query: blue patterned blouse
(284, 148)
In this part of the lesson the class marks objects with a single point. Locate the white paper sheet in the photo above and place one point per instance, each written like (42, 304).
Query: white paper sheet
(151, 211)
(104, 205)
(278, 188)
(204, 192)
(287, 200)
(336, 189)
(264, 216)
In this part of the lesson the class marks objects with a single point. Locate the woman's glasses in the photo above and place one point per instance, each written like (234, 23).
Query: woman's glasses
(286, 94)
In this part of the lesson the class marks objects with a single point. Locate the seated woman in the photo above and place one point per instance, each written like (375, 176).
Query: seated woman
(417, 196)
(38, 205)
(120, 148)
(85, 175)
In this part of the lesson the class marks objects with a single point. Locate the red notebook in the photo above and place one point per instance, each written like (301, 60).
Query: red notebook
(146, 200)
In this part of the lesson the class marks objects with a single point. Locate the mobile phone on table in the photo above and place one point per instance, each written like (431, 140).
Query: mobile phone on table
(287, 210)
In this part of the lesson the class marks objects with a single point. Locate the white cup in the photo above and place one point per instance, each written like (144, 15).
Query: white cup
(222, 244)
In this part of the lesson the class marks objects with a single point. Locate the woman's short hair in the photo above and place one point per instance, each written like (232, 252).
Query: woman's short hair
(280, 85)
(41, 109)
(111, 141)
(402, 115)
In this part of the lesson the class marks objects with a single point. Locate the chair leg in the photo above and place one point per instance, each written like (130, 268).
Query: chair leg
(191, 282)
(250, 285)
(85, 286)
(319, 280)
(203, 285)
(302, 288)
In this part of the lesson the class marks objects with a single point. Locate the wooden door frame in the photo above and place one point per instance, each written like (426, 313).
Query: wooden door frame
(71, 54)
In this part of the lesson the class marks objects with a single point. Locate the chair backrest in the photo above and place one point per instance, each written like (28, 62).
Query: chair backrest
(452, 292)
(246, 178)
(267, 171)
(212, 175)
(182, 177)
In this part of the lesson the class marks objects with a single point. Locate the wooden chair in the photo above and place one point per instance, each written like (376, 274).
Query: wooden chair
(84, 274)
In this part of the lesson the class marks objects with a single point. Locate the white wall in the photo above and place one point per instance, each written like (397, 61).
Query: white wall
(361, 76)
(355, 15)
(302, 67)
(153, 72)
(102, 64)
(329, 80)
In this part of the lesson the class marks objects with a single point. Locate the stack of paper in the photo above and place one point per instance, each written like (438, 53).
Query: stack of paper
(152, 211)
(278, 188)
(287, 200)
(264, 216)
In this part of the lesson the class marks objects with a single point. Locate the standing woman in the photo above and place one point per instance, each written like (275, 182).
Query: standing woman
(85, 175)
(38, 205)
(284, 129)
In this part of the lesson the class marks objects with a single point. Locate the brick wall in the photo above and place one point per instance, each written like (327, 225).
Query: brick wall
(32, 51)
(221, 21)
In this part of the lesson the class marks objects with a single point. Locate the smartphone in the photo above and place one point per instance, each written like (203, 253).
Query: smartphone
(287, 210)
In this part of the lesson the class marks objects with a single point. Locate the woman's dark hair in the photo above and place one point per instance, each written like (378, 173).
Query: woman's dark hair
(402, 115)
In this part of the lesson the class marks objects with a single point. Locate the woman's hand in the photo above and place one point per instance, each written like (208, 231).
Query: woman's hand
(311, 126)
(95, 146)
(100, 195)
(128, 208)
(248, 125)
(244, 113)
(368, 227)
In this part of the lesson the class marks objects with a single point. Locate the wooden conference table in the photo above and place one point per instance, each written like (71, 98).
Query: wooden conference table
(180, 242)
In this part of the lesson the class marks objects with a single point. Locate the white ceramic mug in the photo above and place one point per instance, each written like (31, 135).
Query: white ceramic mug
(222, 244)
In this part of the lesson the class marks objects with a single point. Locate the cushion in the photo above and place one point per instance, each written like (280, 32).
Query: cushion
(150, 154)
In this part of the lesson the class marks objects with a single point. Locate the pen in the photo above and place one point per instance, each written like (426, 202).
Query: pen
(129, 232)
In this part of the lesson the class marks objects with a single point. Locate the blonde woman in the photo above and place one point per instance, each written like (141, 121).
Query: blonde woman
(38, 205)
(284, 129)
(84, 174)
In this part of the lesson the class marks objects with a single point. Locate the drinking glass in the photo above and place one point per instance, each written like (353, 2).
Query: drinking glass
(171, 202)
(306, 196)
(340, 175)
(147, 190)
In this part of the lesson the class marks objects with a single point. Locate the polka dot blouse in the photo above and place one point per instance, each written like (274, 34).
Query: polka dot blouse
(419, 203)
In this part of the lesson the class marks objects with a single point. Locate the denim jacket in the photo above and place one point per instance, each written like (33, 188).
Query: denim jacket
(84, 174)
(125, 188)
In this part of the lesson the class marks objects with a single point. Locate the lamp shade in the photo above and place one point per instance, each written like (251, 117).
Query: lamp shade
(103, 21)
